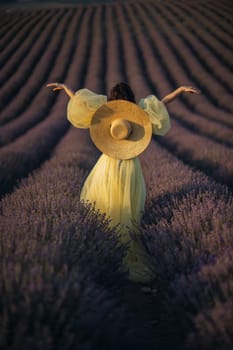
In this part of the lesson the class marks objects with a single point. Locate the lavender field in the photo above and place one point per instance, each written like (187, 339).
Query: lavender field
(61, 282)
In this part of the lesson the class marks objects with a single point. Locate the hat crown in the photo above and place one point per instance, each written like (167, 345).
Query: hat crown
(120, 129)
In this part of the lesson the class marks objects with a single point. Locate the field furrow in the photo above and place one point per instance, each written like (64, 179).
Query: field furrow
(193, 121)
(28, 76)
(17, 23)
(206, 48)
(17, 55)
(36, 86)
(175, 73)
(196, 150)
(192, 68)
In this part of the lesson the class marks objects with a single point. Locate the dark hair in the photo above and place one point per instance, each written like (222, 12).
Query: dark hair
(122, 91)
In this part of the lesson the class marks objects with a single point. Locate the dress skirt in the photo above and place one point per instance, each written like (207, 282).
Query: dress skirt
(117, 189)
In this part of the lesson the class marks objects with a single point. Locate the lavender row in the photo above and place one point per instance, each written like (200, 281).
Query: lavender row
(95, 69)
(124, 29)
(8, 21)
(175, 74)
(34, 156)
(207, 310)
(212, 58)
(17, 25)
(212, 24)
(19, 35)
(69, 162)
(176, 50)
(212, 158)
(28, 152)
(211, 128)
(76, 60)
(52, 245)
(27, 73)
(131, 58)
(16, 55)
(180, 181)
(146, 64)
(70, 157)
(75, 76)
(187, 231)
(16, 21)
(43, 99)
(81, 56)
(115, 69)
(188, 118)
(215, 35)
(223, 11)
(187, 206)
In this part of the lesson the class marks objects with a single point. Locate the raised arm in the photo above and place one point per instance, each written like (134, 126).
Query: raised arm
(170, 97)
(59, 86)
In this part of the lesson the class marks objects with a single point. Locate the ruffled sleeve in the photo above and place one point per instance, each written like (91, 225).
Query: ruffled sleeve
(158, 114)
(82, 106)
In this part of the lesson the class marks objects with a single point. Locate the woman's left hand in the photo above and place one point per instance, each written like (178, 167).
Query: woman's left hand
(56, 86)
(190, 89)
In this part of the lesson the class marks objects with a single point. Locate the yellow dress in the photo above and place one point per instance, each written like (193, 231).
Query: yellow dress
(117, 187)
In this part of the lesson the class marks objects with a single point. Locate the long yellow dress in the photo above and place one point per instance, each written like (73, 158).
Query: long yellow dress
(117, 187)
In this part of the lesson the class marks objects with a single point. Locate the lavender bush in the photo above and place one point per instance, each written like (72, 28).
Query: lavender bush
(61, 266)
(210, 330)
(187, 231)
(191, 217)
(16, 24)
(203, 302)
(189, 119)
(33, 75)
(51, 302)
(43, 99)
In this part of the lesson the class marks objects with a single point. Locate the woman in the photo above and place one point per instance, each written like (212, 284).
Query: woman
(116, 184)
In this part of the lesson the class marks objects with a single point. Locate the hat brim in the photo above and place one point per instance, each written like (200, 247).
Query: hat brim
(139, 138)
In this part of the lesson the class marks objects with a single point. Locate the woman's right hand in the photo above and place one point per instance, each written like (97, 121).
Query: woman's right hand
(56, 86)
(59, 86)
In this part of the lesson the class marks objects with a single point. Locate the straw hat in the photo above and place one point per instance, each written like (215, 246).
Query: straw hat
(121, 129)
